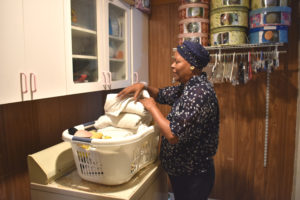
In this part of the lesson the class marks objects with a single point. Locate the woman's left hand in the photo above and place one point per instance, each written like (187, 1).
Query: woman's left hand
(148, 103)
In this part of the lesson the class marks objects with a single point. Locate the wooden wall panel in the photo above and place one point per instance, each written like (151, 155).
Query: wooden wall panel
(48, 121)
(162, 33)
(240, 171)
(21, 137)
(3, 153)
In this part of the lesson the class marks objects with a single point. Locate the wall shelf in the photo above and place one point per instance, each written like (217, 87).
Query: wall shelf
(244, 46)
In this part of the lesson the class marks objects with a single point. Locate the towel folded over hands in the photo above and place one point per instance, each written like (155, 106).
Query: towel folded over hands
(114, 105)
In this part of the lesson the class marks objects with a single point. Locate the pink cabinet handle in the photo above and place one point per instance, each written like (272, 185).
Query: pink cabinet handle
(109, 80)
(32, 79)
(105, 82)
(23, 79)
(136, 77)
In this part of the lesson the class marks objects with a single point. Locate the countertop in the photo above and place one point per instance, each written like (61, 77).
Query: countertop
(72, 184)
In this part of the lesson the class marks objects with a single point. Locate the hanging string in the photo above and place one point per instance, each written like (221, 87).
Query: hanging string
(267, 116)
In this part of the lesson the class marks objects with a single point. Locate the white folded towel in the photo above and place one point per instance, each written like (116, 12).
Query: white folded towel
(124, 120)
(114, 105)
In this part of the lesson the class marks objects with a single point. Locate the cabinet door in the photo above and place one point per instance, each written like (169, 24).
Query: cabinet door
(11, 50)
(117, 42)
(45, 47)
(139, 46)
(83, 45)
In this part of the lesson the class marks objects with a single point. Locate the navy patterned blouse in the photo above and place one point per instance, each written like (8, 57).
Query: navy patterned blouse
(194, 118)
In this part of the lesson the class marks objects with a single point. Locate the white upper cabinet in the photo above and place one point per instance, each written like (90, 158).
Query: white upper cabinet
(139, 46)
(117, 43)
(84, 48)
(97, 45)
(11, 50)
(32, 50)
(45, 48)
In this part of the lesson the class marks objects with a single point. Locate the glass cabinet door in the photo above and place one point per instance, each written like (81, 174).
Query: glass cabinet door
(84, 41)
(117, 28)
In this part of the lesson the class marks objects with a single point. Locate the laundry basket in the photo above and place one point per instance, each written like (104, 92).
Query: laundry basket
(112, 161)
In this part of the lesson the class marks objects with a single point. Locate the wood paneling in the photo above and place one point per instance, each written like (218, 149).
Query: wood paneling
(160, 2)
(162, 33)
(240, 171)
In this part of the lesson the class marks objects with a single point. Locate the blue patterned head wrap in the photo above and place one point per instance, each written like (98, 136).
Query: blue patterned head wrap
(194, 53)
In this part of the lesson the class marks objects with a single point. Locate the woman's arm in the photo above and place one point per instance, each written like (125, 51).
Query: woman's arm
(163, 123)
(137, 88)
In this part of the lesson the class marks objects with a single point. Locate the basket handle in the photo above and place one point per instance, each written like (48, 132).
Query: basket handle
(81, 139)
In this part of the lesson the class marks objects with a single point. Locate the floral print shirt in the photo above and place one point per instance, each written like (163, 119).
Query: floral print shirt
(194, 118)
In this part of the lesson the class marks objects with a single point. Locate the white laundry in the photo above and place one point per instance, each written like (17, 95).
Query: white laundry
(114, 105)
(114, 132)
(124, 120)
(122, 115)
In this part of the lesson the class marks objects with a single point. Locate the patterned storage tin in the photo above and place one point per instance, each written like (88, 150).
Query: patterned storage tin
(256, 4)
(193, 1)
(193, 25)
(228, 36)
(229, 16)
(269, 34)
(270, 16)
(195, 10)
(225, 3)
(202, 38)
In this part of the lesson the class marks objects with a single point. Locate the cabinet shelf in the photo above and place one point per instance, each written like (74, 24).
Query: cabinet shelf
(121, 39)
(84, 30)
(84, 57)
(116, 60)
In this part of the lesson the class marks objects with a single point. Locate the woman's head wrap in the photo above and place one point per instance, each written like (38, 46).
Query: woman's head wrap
(194, 53)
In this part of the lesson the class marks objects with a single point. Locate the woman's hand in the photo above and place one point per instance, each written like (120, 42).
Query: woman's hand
(149, 103)
(135, 88)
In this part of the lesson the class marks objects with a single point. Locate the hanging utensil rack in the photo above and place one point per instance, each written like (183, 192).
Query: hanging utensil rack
(264, 51)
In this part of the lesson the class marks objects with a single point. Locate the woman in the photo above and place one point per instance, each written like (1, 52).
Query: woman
(190, 131)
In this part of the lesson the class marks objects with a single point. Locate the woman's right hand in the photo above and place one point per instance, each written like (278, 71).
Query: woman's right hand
(136, 88)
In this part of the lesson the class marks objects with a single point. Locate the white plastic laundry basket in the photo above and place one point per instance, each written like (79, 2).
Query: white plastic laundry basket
(112, 161)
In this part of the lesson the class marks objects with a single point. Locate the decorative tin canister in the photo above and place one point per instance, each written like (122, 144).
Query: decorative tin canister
(195, 10)
(193, 25)
(229, 16)
(225, 3)
(256, 4)
(269, 34)
(270, 16)
(201, 38)
(228, 36)
(193, 1)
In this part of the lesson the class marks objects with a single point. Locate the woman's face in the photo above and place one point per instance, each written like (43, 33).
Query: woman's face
(181, 69)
